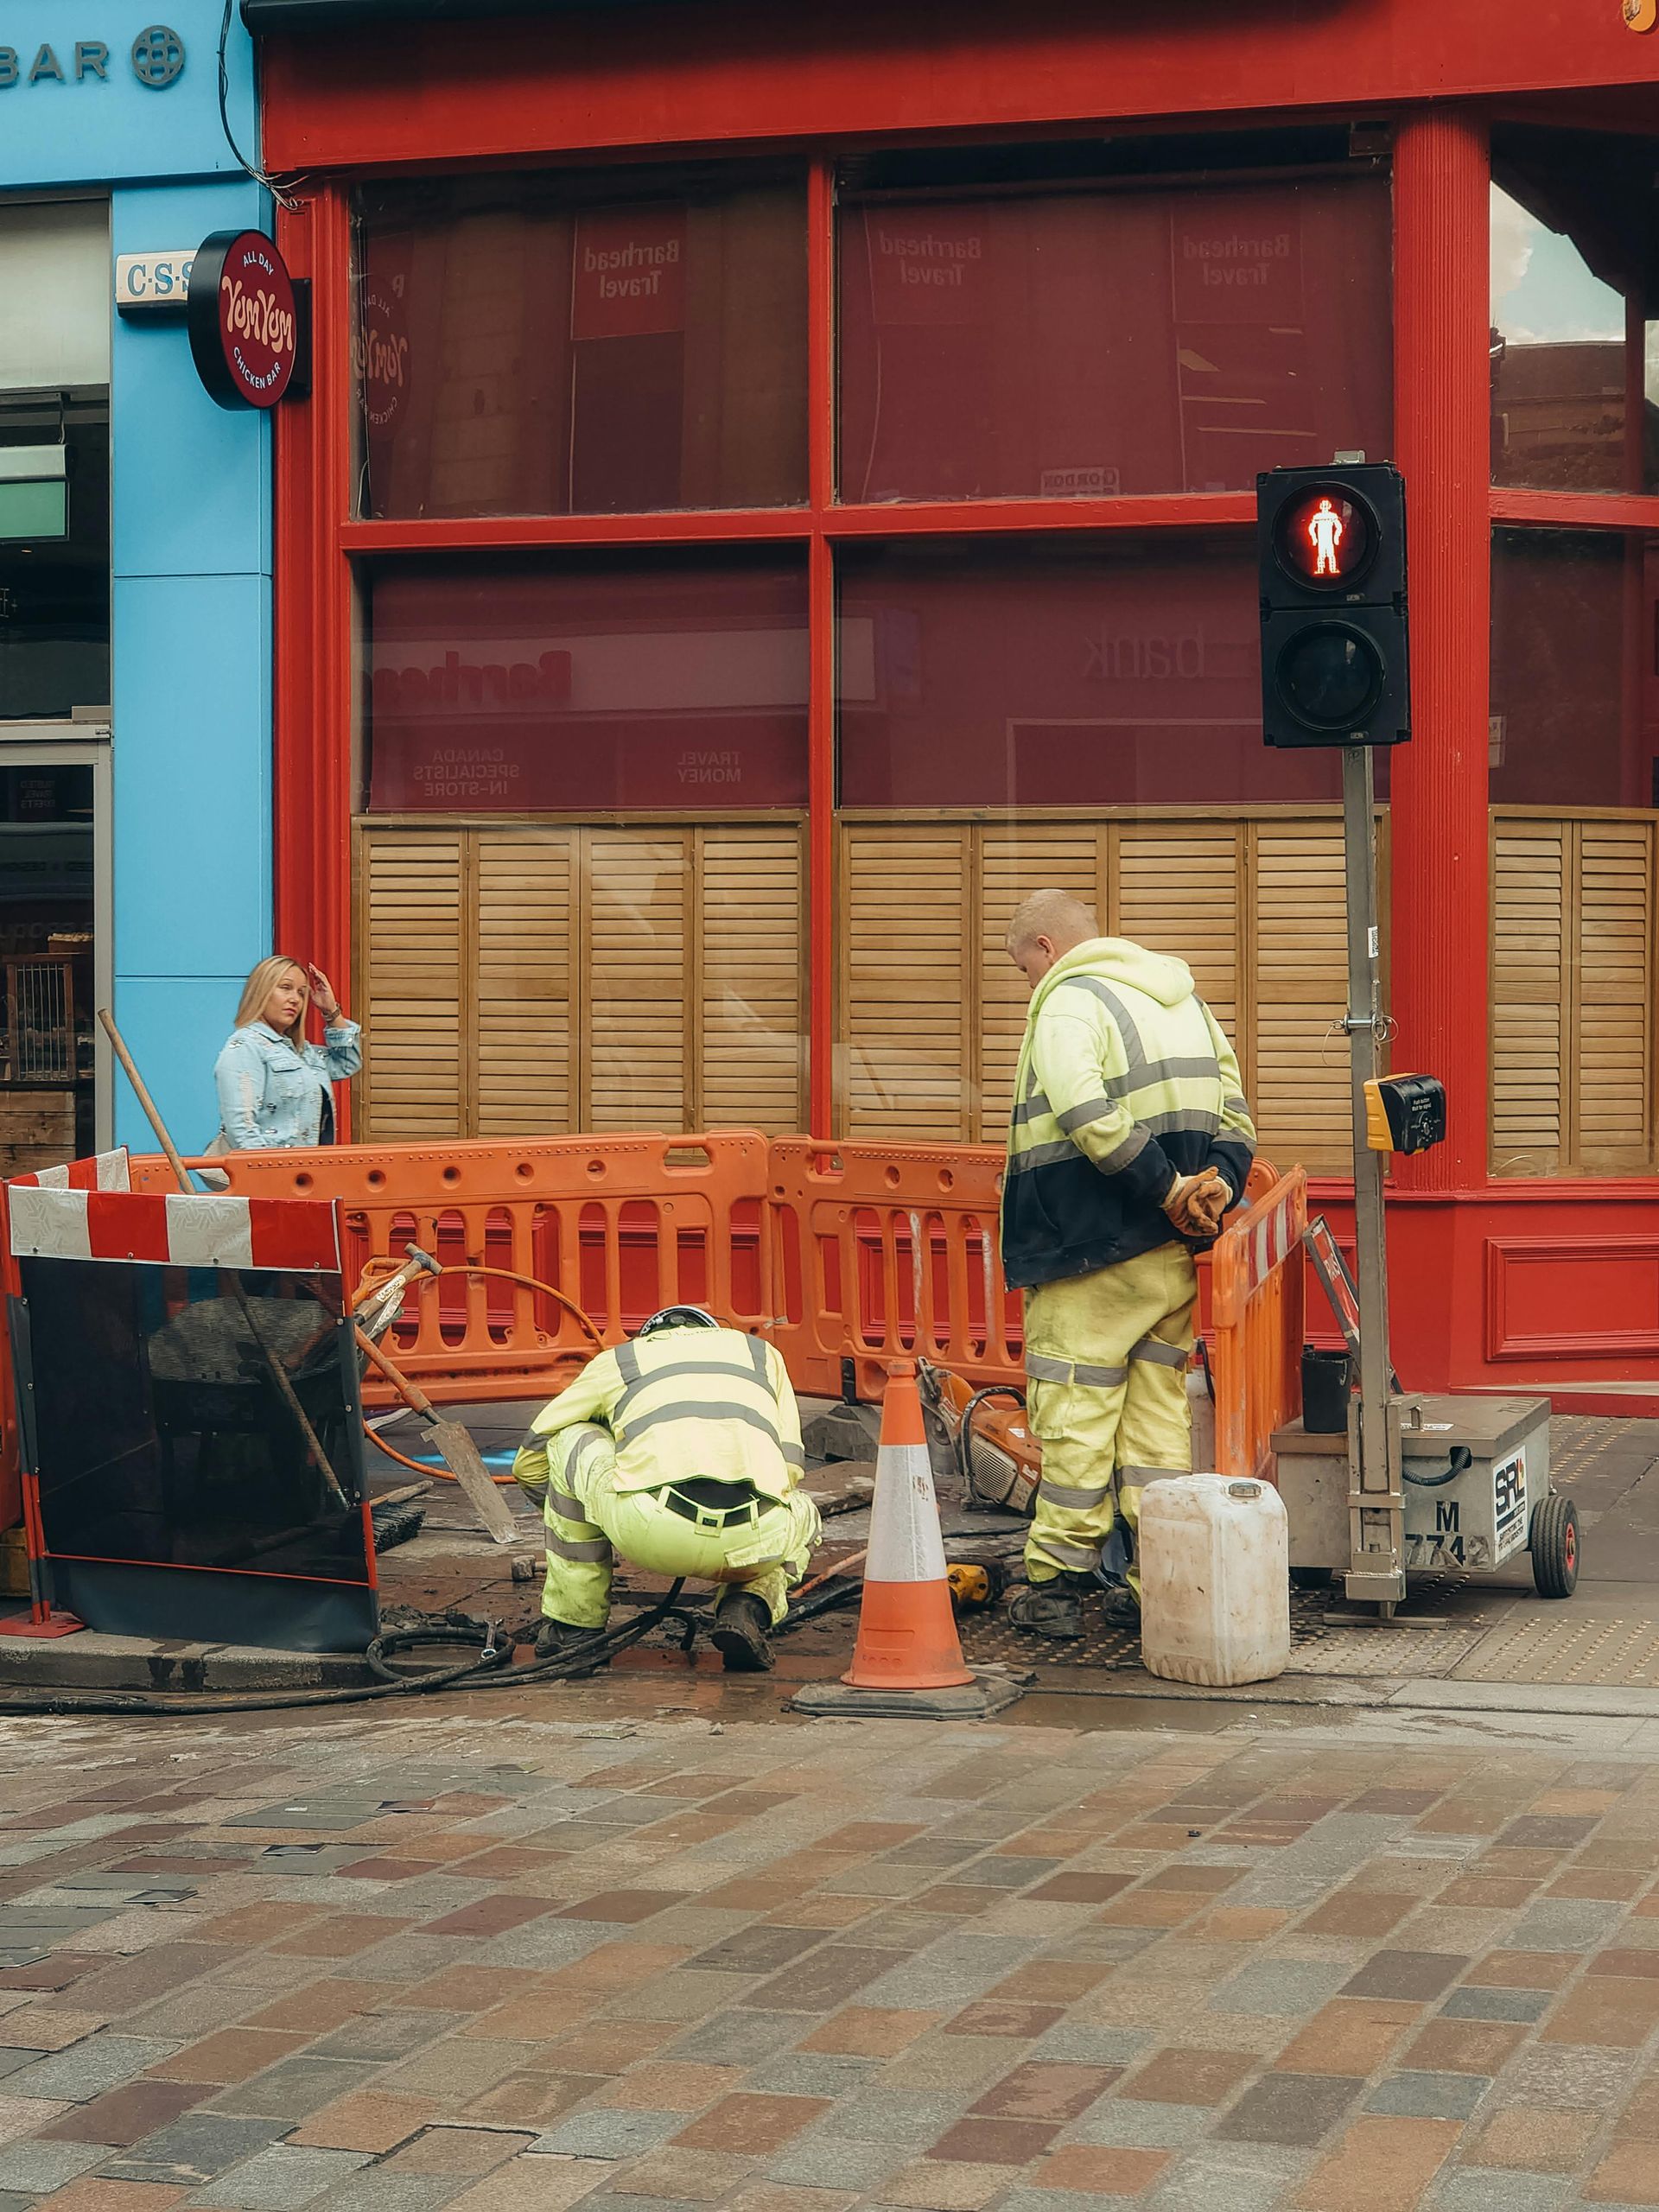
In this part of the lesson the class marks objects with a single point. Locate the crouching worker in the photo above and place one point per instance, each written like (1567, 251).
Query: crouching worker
(682, 1451)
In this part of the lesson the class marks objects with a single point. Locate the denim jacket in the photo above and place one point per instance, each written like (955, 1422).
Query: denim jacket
(271, 1093)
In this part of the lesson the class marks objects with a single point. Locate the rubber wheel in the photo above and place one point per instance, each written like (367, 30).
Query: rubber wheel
(1312, 1578)
(1556, 1547)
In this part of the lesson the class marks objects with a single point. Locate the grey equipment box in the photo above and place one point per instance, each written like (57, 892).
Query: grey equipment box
(1460, 1518)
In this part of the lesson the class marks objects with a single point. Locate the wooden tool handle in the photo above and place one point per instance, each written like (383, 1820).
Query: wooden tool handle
(141, 1093)
(411, 1393)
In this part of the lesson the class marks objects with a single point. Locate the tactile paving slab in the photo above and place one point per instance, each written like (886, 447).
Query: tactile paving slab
(1577, 1440)
(1319, 1646)
(1555, 1646)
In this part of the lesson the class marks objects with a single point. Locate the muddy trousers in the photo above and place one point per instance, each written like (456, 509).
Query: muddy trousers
(589, 1520)
(1106, 1358)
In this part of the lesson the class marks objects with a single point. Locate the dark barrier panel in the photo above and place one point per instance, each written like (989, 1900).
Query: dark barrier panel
(162, 1439)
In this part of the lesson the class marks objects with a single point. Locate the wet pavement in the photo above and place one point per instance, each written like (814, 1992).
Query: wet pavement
(610, 1945)
(1493, 1636)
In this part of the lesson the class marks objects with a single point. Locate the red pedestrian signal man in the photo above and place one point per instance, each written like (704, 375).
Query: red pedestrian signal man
(1326, 532)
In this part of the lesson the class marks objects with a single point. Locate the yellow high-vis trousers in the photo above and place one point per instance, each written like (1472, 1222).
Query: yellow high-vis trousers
(1106, 1357)
(588, 1519)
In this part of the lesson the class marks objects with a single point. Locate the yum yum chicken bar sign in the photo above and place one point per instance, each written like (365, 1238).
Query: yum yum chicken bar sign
(244, 315)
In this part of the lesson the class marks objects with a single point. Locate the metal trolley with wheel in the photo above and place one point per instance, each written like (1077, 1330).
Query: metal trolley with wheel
(1475, 1493)
(1473, 1486)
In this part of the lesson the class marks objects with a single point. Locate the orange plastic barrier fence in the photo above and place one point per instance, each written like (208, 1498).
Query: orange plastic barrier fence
(621, 1225)
(884, 1251)
(1257, 1288)
(841, 1253)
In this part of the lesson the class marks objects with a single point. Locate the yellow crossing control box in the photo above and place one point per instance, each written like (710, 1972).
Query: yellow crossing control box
(1405, 1113)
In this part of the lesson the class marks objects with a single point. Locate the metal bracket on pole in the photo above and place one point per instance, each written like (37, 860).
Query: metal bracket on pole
(1376, 1511)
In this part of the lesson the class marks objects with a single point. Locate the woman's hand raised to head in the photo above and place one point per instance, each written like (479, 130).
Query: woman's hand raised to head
(322, 995)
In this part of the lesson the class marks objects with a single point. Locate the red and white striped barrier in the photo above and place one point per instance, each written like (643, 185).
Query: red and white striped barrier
(105, 1171)
(1275, 1236)
(87, 1211)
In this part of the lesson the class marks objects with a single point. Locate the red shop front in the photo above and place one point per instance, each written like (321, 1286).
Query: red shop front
(777, 485)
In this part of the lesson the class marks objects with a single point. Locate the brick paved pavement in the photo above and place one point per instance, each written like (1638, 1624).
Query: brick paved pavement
(511, 1958)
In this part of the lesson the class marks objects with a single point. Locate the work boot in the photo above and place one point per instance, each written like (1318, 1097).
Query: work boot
(1121, 1608)
(741, 1635)
(559, 1640)
(1051, 1609)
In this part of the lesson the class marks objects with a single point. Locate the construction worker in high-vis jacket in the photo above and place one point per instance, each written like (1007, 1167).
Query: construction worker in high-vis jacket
(1130, 1139)
(681, 1450)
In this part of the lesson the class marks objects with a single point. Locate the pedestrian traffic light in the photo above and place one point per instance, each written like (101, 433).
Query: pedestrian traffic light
(1330, 549)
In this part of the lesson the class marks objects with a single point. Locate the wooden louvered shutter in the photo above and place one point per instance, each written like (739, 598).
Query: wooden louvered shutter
(638, 900)
(905, 981)
(1572, 984)
(1613, 997)
(1176, 891)
(524, 1024)
(1297, 1072)
(750, 904)
(1531, 871)
(413, 903)
(1013, 861)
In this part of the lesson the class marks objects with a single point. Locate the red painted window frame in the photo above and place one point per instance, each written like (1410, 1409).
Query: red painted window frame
(1440, 172)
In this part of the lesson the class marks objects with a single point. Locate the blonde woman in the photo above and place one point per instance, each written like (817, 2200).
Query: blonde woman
(275, 1090)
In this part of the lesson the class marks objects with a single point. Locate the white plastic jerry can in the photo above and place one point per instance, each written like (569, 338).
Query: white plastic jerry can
(1215, 1580)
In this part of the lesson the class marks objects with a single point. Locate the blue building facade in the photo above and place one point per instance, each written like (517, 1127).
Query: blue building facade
(135, 576)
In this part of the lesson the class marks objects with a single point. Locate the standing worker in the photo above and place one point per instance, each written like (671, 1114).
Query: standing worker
(683, 1450)
(1130, 1141)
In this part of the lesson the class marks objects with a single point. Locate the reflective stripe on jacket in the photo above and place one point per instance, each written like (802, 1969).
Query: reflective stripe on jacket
(682, 1404)
(1125, 1081)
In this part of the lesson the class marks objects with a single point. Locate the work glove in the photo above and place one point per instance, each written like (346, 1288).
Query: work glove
(1207, 1200)
(1195, 1204)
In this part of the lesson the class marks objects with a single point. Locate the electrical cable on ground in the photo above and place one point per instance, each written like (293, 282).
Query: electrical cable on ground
(492, 1669)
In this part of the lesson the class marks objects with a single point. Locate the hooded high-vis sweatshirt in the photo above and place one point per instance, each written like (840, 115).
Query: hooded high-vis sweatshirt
(1125, 1081)
(683, 1404)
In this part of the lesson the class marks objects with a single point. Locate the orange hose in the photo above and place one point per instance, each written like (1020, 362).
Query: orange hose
(506, 1275)
(414, 1466)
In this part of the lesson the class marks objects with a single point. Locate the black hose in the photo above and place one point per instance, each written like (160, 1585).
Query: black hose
(494, 1661)
(1461, 1461)
(840, 1591)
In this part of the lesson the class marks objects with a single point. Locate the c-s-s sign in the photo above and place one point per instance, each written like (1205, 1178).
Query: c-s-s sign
(154, 282)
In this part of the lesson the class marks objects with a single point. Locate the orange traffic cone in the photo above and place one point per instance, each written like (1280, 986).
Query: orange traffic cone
(907, 1659)
(907, 1636)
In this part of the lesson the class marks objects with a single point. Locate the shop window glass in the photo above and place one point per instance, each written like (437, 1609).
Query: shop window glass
(47, 977)
(1016, 715)
(1574, 348)
(1122, 672)
(640, 683)
(524, 346)
(1575, 669)
(1574, 783)
(54, 554)
(1144, 337)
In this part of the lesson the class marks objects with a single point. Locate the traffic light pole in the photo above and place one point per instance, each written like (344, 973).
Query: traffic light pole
(1376, 1514)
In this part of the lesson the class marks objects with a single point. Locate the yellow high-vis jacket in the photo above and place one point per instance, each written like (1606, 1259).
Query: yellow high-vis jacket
(1125, 1081)
(681, 1404)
